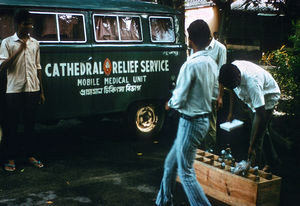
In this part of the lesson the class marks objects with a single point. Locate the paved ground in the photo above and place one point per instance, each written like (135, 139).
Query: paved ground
(87, 164)
(96, 163)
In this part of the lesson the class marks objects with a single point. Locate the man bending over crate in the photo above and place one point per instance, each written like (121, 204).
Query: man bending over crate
(257, 88)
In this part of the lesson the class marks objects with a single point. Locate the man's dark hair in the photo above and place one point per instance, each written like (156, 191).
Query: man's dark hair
(199, 33)
(22, 15)
(229, 76)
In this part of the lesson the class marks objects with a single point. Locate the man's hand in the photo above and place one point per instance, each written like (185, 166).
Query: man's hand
(251, 153)
(229, 117)
(219, 103)
(167, 106)
(42, 98)
(22, 47)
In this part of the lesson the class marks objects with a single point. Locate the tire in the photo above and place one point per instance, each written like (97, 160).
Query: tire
(145, 120)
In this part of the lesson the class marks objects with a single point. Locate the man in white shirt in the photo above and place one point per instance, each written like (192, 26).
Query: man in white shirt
(258, 89)
(217, 52)
(192, 98)
(20, 58)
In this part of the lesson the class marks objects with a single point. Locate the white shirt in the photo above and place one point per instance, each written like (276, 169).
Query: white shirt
(258, 88)
(217, 52)
(22, 76)
(195, 83)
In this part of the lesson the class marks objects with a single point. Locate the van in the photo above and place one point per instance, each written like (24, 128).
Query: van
(101, 57)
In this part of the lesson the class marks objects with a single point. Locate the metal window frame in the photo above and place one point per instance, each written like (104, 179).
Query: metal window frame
(58, 29)
(162, 17)
(118, 26)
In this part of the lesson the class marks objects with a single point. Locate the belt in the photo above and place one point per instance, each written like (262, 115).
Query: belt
(187, 117)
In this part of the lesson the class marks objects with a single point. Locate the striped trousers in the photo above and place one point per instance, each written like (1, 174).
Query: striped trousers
(180, 160)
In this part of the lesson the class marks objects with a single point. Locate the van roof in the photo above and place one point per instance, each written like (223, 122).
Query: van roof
(107, 5)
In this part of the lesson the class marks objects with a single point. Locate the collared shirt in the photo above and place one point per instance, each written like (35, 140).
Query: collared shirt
(217, 52)
(194, 87)
(22, 76)
(258, 87)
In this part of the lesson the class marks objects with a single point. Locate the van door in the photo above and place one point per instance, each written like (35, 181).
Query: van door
(117, 38)
(65, 60)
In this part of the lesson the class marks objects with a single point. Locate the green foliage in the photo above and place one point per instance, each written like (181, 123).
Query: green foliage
(285, 68)
(282, 69)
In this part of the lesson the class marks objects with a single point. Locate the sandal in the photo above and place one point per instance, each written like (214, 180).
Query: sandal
(10, 167)
(36, 163)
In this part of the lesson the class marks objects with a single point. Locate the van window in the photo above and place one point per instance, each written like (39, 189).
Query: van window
(71, 27)
(47, 26)
(130, 28)
(162, 29)
(6, 25)
(106, 28)
(117, 28)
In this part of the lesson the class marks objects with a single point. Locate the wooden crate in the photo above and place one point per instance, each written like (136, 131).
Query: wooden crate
(221, 184)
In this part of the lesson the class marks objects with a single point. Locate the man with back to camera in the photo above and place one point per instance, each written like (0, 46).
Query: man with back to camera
(258, 89)
(192, 99)
(20, 57)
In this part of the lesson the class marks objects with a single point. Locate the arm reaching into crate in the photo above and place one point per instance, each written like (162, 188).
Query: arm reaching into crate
(257, 129)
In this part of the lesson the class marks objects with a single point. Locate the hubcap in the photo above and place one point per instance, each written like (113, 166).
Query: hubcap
(146, 119)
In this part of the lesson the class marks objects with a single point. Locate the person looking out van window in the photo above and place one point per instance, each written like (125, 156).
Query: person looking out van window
(20, 57)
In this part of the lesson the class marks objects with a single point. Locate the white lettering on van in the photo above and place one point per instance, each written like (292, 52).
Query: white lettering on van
(73, 69)
(55, 70)
(154, 66)
(95, 68)
(125, 67)
(76, 69)
(70, 69)
(138, 79)
(48, 74)
(88, 82)
(85, 69)
(116, 80)
(63, 68)
(82, 68)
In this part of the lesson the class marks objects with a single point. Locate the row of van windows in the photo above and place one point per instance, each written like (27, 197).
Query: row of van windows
(62, 27)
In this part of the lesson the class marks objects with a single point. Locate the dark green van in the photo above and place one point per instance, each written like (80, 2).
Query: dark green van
(101, 57)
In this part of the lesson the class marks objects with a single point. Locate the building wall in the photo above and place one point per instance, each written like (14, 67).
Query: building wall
(210, 14)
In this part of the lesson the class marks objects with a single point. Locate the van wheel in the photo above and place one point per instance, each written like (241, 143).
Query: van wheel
(146, 119)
